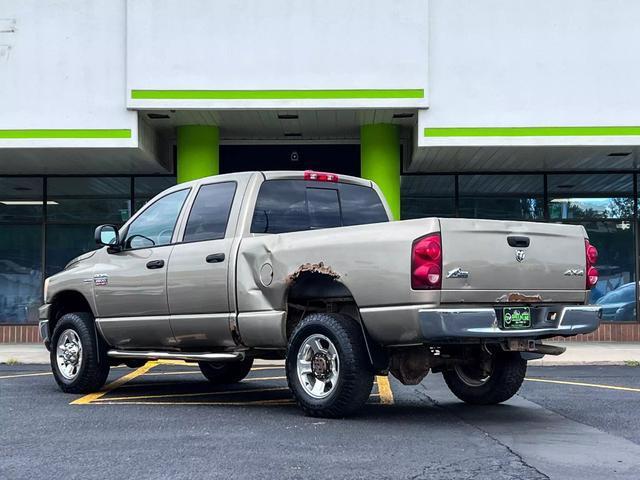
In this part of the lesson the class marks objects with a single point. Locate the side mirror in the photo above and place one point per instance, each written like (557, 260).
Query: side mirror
(107, 235)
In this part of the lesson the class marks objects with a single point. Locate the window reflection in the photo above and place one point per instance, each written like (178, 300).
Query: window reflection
(427, 196)
(502, 197)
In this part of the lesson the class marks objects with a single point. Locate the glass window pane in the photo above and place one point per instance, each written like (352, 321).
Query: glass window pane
(324, 208)
(427, 196)
(21, 199)
(93, 200)
(210, 212)
(65, 242)
(156, 223)
(282, 206)
(20, 273)
(361, 205)
(590, 196)
(615, 289)
(502, 197)
(148, 187)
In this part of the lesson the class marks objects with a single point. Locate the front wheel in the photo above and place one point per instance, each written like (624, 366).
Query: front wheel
(328, 368)
(78, 360)
(489, 381)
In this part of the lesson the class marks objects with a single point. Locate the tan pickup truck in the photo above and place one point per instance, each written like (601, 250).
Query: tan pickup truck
(309, 267)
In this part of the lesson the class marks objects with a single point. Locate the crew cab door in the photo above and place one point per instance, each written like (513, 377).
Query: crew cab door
(198, 274)
(130, 285)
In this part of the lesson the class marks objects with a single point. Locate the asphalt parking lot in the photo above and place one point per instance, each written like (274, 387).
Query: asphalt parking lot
(167, 421)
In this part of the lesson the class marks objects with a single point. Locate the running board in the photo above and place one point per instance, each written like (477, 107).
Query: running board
(186, 356)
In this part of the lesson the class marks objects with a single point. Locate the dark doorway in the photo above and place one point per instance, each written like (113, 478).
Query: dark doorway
(344, 159)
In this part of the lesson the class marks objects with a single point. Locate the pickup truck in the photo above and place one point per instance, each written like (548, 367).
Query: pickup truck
(310, 268)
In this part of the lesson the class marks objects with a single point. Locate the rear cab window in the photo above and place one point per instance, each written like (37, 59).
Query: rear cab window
(295, 205)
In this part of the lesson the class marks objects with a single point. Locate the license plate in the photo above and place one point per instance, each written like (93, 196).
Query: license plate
(516, 318)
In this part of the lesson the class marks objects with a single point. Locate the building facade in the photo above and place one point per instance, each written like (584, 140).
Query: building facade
(513, 110)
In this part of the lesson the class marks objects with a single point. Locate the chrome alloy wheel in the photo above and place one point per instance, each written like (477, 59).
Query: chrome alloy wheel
(318, 366)
(69, 354)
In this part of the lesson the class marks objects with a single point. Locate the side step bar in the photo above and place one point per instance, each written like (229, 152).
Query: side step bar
(186, 356)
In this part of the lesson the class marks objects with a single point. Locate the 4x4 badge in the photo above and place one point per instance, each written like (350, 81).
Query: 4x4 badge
(520, 255)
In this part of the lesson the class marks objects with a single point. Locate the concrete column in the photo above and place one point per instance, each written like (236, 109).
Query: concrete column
(380, 160)
(198, 152)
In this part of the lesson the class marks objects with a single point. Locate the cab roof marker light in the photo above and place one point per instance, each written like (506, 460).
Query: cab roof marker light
(320, 176)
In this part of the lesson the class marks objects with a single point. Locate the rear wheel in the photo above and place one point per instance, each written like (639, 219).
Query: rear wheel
(328, 368)
(223, 373)
(78, 357)
(489, 381)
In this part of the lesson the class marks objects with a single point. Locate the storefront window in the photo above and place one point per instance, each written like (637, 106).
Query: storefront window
(75, 207)
(21, 207)
(148, 187)
(603, 204)
(590, 196)
(502, 197)
(427, 196)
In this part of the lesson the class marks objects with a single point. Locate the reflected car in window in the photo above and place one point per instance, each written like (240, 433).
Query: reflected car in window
(619, 305)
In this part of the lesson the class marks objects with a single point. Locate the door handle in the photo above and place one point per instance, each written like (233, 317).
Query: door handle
(153, 264)
(518, 241)
(215, 258)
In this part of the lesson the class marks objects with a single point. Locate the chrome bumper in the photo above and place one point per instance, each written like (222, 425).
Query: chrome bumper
(454, 323)
(43, 315)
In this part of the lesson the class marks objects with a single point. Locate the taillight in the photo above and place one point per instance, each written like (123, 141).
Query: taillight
(426, 263)
(591, 255)
(320, 176)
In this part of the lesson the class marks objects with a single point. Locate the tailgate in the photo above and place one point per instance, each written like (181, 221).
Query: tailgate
(490, 261)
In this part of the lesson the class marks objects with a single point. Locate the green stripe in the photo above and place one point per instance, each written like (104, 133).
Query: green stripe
(530, 131)
(274, 94)
(67, 133)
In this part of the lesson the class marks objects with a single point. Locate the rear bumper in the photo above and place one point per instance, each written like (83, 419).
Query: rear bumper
(454, 323)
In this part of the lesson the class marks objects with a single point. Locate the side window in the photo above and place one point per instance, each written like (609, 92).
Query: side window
(210, 212)
(155, 225)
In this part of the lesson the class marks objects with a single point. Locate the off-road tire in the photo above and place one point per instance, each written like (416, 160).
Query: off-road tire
(509, 370)
(94, 369)
(226, 373)
(355, 377)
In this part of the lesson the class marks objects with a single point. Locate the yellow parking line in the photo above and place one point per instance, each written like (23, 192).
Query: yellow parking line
(25, 375)
(386, 395)
(248, 403)
(191, 372)
(582, 384)
(200, 394)
(115, 384)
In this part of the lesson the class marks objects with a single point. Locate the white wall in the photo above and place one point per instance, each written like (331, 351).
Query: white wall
(533, 63)
(276, 44)
(63, 67)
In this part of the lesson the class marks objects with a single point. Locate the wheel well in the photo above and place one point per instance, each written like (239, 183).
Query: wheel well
(64, 302)
(317, 292)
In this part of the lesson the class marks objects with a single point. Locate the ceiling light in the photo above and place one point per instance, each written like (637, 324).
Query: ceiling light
(402, 115)
(566, 185)
(293, 134)
(287, 116)
(21, 189)
(27, 202)
(158, 116)
(619, 154)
